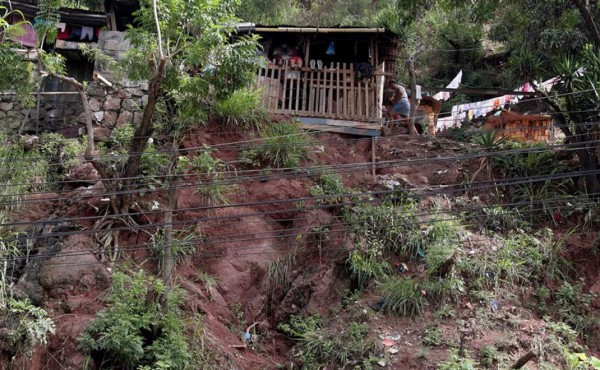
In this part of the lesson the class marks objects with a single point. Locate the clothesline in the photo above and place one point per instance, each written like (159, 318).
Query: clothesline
(67, 32)
(461, 112)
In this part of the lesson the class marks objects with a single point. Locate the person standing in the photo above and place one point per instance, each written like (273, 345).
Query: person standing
(400, 105)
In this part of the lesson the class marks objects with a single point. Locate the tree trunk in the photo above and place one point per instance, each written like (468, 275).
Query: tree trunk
(588, 17)
(140, 138)
(167, 247)
(414, 103)
(168, 262)
(587, 156)
(523, 360)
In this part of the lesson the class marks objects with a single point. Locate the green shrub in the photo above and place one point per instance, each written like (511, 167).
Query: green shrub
(456, 362)
(534, 195)
(440, 289)
(402, 296)
(432, 337)
(183, 245)
(439, 258)
(280, 270)
(498, 218)
(331, 188)
(209, 171)
(574, 307)
(488, 356)
(26, 326)
(241, 108)
(445, 312)
(36, 168)
(394, 226)
(523, 259)
(133, 331)
(284, 145)
(365, 266)
(320, 346)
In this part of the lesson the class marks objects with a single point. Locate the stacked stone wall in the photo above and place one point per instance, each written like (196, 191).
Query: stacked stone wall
(116, 106)
(111, 107)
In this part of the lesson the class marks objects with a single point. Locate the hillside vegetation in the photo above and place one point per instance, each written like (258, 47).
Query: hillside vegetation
(213, 236)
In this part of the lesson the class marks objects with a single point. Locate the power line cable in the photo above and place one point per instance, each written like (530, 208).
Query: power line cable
(316, 170)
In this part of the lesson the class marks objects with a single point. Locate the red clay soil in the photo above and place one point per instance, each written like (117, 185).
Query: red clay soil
(238, 244)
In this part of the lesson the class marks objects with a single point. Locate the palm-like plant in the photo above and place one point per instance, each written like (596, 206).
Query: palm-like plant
(490, 142)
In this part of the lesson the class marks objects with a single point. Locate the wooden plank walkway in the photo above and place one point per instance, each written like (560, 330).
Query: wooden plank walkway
(340, 126)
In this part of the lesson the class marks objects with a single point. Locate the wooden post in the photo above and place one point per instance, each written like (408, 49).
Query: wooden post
(414, 104)
(373, 156)
(330, 95)
(286, 75)
(338, 95)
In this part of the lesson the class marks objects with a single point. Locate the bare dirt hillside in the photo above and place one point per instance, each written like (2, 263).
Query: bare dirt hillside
(271, 215)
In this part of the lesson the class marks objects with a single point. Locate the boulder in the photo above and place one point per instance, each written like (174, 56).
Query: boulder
(137, 118)
(112, 103)
(124, 93)
(95, 88)
(110, 118)
(94, 104)
(84, 271)
(130, 105)
(85, 173)
(6, 106)
(101, 133)
(124, 118)
(99, 116)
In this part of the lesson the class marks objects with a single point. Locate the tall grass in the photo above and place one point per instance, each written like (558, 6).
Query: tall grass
(402, 296)
(241, 108)
(284, 146)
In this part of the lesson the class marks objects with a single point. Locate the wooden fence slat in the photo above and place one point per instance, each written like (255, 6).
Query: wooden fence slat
(285, 79)
(322, 92)
(344, 90)
(338, 95)
(352, 109)
(311, 94)
(279, 92)
(298, 80)
(366, 98)
(330, 92)
(304, 91)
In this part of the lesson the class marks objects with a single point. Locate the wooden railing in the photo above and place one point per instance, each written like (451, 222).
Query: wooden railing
(330, 92)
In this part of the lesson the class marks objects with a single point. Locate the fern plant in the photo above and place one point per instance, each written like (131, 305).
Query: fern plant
(30, 325)
(133, 330)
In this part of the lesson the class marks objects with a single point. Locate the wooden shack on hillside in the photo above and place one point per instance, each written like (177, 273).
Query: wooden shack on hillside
(328, 78)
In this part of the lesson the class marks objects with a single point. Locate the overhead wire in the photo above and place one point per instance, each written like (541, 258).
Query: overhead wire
(213, 218)
(227, 250)
(287, 173)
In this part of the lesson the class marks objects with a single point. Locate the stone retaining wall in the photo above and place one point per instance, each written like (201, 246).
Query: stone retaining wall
(123, 103)
(110, 107)
(116, 106)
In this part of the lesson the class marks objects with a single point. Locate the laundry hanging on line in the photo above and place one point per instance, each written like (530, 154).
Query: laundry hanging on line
(445, 95)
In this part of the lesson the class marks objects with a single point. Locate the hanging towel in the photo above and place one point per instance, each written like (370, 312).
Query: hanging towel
(29, 36)
(75, 34)
(87, 33)
(63, 34)
(61, 26)
(331, 49)
(445, 95)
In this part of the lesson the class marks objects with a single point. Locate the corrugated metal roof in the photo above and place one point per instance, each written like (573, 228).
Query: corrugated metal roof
(74, 16)
(248, 27)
